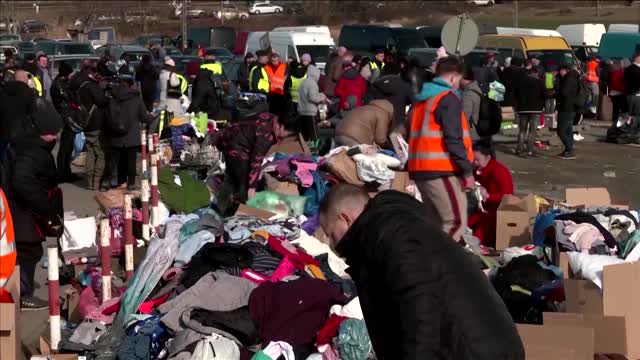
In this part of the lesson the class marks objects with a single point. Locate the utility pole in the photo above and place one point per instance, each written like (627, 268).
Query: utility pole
(598, 8)
(185, 41)
(516, 13)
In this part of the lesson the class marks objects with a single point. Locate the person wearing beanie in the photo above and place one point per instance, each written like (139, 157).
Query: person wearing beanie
(351, 87)
(297, 74)
(207, 87)
(34, 197)
(334, 71)
(170, 87)
(258, 77)
(243, 71)
(306, 60)
(61, 98)
(147, 76)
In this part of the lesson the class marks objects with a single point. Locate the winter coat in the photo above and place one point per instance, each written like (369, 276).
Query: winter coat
(297, 72)
(204, 95)
(351, 84)
(173, 105)
(33, 180)
(60, 92)
(335, 72)
(632, 79)
(415, 287)
(17, 100)
(89, 94)
(368, 124)
(243, 75)
(133, 113)
(567, 91)
(397, 91)
(45, 80)
(147, 76)
(310, 95)
(634, 105)
(485, 75)
(496, 178)
(530, 94)
(471, 99)
(511, 76)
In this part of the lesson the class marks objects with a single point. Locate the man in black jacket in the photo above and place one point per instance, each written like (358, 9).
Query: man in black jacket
(632, 76)
(91, 96)
(207, 91)
(565, 104)
(529, 96)
(35, 199)
(61, 97)
(17, 100)
(147, 75)
(390, 86)
(422, 295)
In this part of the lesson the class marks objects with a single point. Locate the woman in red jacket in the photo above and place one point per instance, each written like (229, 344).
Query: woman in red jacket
(495, 181)
(351, 87)
(616, 90)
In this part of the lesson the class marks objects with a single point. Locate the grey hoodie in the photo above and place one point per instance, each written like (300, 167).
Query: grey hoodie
(309, 93)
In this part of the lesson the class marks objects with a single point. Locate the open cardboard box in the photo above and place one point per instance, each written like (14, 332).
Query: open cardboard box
(586, 197)
(259, 213)
(554, 342)
(9, 316)
(514, 222)
(45, 351)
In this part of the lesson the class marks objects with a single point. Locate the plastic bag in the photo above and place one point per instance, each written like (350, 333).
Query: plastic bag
(353, 340)
(78, 145)
(281, 204)
(496, 91)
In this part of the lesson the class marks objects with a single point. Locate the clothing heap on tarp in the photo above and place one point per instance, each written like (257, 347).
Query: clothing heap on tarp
(241, 287)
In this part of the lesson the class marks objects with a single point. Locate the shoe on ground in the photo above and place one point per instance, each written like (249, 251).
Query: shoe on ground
(567, 156)
(531, 154)
(32, 303)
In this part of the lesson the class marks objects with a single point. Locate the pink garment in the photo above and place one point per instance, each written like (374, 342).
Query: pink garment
(172, 273)
(254, 276)
(284, 269)
(330, 353)
(90, 309)
(298, 256)
(583, 235)
(148, 306)
(303, 172)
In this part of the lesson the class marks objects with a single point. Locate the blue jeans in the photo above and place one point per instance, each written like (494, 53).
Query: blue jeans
(565, 129)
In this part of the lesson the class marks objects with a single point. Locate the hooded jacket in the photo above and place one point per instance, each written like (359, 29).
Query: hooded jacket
(567, 90)
(447, 114)
(310, 95)
(471, 99)
(397, 91)
(204, 95)
(134, 112)
(148, 77)
(334, 74)
(351, 85)
(422, 295)
(17, 100)
(89, 94)
(368, 124)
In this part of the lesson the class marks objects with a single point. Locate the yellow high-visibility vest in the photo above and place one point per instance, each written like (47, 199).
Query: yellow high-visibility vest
(374, 65)
(37, 83)
(183, 83)
(213, 67)
(295, 85)
(263, 83)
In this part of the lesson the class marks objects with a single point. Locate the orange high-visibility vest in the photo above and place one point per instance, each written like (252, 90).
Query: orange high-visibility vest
(7, 242)
(427, 148)
(276, 78)
(592, 75)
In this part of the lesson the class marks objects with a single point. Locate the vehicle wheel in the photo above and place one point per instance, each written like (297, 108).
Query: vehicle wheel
(257, 12)
(277, 11)
(491, 3)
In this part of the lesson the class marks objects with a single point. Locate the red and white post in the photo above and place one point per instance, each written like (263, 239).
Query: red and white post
(128, 236)
(54, 297)
(155, 215)
(143, 137)
(105, 258)
(156, 146)
(145, 208)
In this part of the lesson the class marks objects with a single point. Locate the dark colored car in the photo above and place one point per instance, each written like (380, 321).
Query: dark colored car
(33, 26)
(366, 39)
(64, 48)
(114, 51)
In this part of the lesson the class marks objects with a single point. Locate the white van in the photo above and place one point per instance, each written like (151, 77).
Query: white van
(584, 39)
(294, 44)
(320, 29)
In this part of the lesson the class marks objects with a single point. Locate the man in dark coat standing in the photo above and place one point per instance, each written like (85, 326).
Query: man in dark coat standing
(147, 75)
(568, 89)
(421, 294)
(61, 98)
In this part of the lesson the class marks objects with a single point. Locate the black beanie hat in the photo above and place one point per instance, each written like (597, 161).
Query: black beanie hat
(65, 69)
(45, 117)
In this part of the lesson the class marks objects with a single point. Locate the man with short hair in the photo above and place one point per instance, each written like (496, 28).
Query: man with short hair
(568, 89)
(334, 72)
(258, 77)
(422, 295)
(277, 73)
(44, 75)
(440, 147)
(632, 76)
(205, 90)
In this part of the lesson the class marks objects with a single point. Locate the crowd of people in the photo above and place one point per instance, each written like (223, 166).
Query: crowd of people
(381, 101)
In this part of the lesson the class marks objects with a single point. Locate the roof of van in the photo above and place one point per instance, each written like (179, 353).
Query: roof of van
(523, 31)
(324, 29)
(303, 37)
(535, 42)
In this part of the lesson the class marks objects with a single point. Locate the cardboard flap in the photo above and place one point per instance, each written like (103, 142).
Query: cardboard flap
(609, 331)
(549, 342)
(587, 197)
(621, 283)
(583, 297)
(248, 210)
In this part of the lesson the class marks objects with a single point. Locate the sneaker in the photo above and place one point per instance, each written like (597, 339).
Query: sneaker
(567, 156)
(32, 303)
(531, 154)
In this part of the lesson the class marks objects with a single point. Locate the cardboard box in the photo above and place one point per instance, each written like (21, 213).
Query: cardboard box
(9, 315)
(248, 210)
(583, 297)
(608, 331)
(291, 145)
(45, 349)
(551, 342)
(586, 197)
(514, 222)
(621, 283)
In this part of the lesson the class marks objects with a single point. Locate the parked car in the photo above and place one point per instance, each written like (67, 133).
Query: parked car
(231, 12)
(192, 13)
(73, 60)
(24, 47)
(7, 38)
(51, 48)
(146, 40)
(3, 48)
(220, 53)
(7, 25)
(33, 26)
(139, 17)
(116, 51)
(265, 8)
(481, 2)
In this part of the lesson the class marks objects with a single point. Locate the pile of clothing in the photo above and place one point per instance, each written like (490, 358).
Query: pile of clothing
(240, 287)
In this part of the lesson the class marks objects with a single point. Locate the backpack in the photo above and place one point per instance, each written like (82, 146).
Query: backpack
(489, 116)
(581, 99)
(116, 120)
(75, 115)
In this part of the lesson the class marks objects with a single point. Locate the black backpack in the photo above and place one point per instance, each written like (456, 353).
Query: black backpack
(581, 99)
(489, 116)
(116, 119)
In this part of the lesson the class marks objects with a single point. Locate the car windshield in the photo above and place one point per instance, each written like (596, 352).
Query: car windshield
(476, 58)
(221, 52)
(26, 46)
(9, 37)
(135, 55)
(554, 57)
(409, 39)
(319, 53)
(48, 47)
(74, 49)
